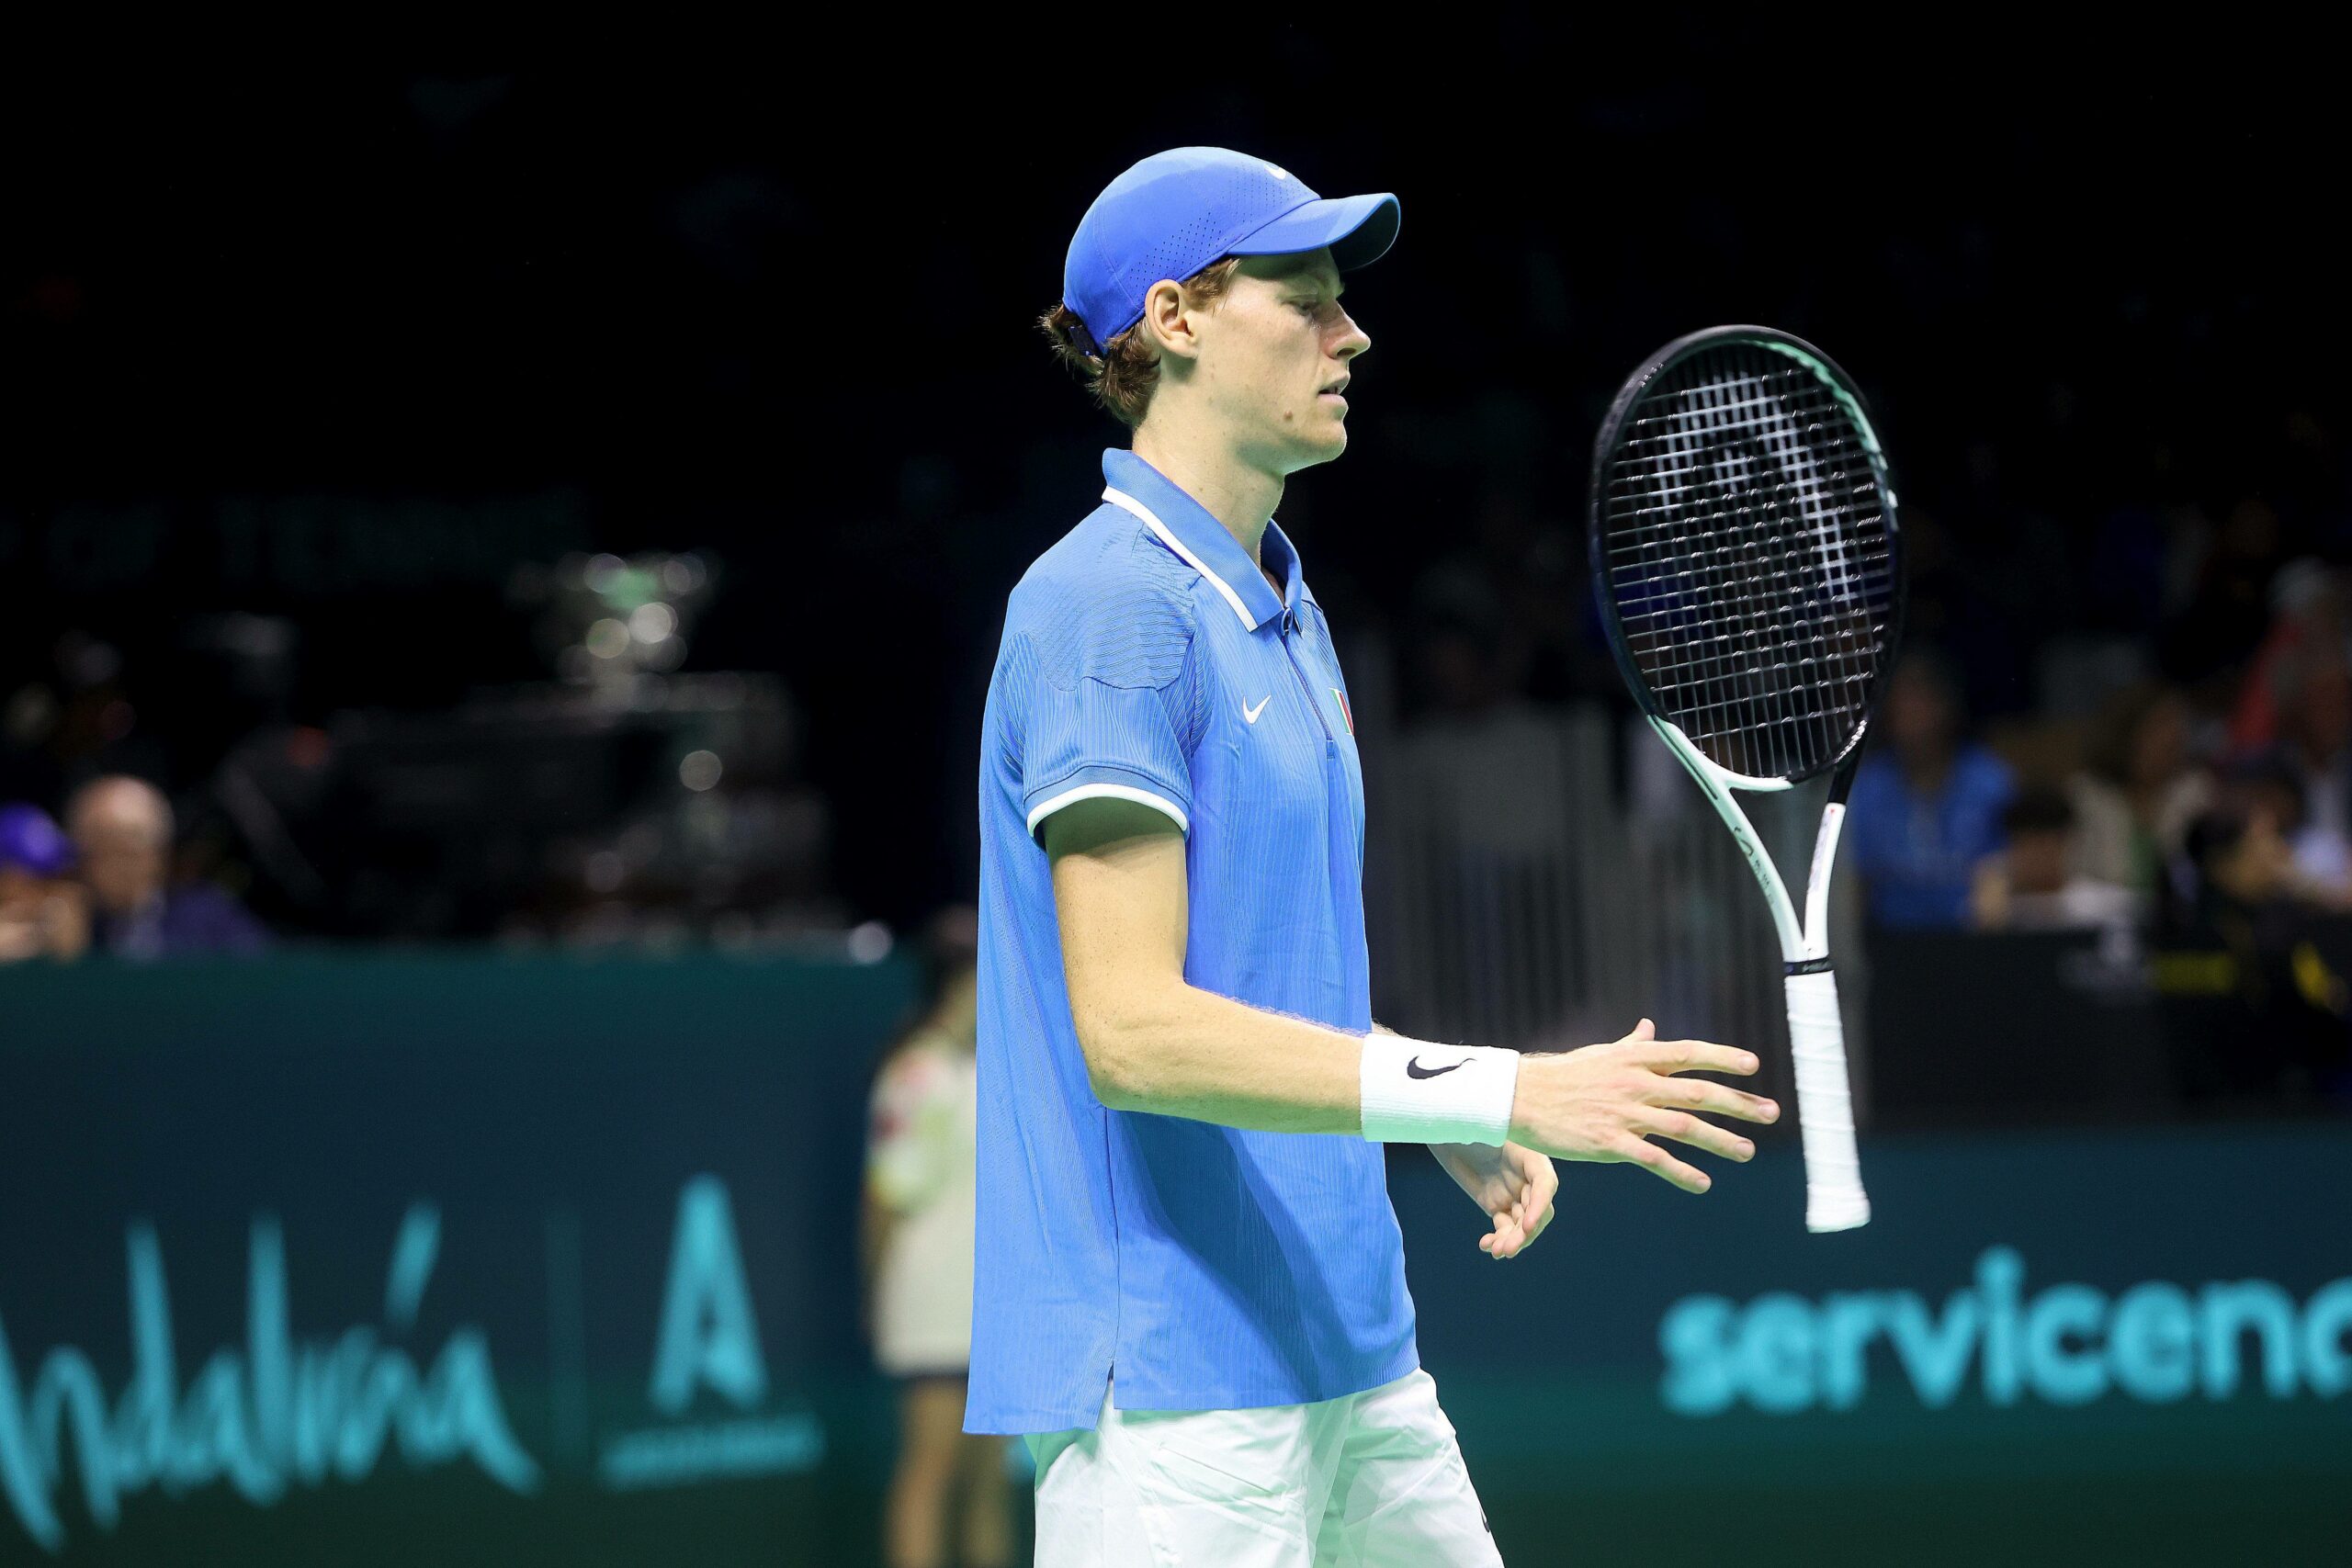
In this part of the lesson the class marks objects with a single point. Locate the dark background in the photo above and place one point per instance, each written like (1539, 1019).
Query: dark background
(775, 303)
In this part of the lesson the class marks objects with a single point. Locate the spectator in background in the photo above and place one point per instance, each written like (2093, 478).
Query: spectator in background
(2029, 885)
(2251, 1008)
(2231, 611)
(1925, 806)
(1957, 604)
(43, 912)
(2307, 621)
(2133, 804)
(2268, 782)
(2314, 700)
(123, 828)
(918, 1236)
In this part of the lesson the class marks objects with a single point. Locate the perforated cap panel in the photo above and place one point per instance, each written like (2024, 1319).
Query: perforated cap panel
(1171, 215)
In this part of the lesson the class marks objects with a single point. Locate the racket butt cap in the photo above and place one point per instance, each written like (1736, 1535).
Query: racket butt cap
(1823, 1218)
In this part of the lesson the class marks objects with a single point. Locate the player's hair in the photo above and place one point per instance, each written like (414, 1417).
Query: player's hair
(1124, 373)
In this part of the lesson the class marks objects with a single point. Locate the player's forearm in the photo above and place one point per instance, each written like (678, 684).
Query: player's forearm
(1175, 1050)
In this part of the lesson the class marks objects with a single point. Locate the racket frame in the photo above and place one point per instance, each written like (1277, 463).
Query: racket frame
(1834, 1202)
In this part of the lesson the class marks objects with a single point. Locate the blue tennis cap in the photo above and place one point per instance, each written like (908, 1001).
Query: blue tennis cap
(32, 840)
(1177, 212)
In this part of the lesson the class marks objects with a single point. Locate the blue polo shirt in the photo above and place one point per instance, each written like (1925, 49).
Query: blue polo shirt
(1146, 658)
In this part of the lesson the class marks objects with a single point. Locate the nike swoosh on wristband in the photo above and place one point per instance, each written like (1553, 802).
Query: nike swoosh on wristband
(1249, 715)
(1413, 1069)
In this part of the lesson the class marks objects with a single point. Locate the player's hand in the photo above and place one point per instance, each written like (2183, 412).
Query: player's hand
(1514, 1185)
(1604, 1103)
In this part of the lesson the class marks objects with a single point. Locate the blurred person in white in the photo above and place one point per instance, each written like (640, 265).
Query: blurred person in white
(44, 913)
(123, 829)
(918, 1236)
(2029, 885)
(2134, 801)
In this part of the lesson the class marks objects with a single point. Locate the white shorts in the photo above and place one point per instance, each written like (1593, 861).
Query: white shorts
(1369, 1479)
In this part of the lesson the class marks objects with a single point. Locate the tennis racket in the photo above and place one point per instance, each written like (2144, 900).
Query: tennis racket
(1745, 553)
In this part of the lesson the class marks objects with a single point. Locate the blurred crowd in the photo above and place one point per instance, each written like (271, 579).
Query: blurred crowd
(588, 793)
(2123, 705)
(107, 882)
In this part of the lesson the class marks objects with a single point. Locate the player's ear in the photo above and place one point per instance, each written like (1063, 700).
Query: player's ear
(1170, 320)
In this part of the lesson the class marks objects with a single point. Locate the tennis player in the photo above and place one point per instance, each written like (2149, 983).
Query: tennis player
(1189, 1289)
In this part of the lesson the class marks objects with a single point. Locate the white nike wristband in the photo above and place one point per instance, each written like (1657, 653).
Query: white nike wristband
(1414, 1092)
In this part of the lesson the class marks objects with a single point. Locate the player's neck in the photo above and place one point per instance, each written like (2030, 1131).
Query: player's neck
(1235, 492)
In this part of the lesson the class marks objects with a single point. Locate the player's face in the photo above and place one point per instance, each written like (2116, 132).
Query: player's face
(1272, 351)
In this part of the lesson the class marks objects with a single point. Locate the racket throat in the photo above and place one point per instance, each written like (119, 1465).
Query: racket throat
(1825, 857)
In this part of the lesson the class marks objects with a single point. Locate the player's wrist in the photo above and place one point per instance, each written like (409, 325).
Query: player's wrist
(1417, 1092)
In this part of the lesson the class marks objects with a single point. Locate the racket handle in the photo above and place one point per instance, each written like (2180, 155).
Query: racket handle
(1834, 1200)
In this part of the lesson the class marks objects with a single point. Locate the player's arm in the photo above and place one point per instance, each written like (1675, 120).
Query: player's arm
(1153, 1042)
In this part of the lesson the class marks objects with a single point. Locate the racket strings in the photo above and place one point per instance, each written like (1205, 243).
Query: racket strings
(1749, 556)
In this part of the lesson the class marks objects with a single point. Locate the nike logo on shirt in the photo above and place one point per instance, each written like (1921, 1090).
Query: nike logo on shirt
(1249, 715)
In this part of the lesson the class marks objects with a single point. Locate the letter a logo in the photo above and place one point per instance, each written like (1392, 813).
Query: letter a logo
(708, 1334)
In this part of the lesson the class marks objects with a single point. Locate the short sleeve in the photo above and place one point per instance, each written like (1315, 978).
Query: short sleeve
(1111, 708)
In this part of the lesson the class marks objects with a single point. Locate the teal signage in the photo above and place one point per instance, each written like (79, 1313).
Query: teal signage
(399, 1259)
(2065, 1343)
(561, 1245)
(276, 1410)
(709, 1339)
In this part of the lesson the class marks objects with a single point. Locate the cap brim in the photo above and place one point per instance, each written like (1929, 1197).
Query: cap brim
(1359, 229)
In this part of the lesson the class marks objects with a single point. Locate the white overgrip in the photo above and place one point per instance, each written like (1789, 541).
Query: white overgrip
(1834, 1200)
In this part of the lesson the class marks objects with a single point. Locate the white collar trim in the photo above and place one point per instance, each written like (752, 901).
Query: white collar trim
(1120, 498)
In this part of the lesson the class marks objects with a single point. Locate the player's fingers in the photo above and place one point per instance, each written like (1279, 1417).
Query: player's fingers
(1513, 1215)
(1632, 1150)
(1506, 1182)
(1700, 1094)
(1539, 1204)
(1695, 1056)
(1640, 1033)
(1538, 1181)
(1685, 1128)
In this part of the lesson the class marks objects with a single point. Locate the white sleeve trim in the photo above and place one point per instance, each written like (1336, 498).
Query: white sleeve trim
(1112, 792)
